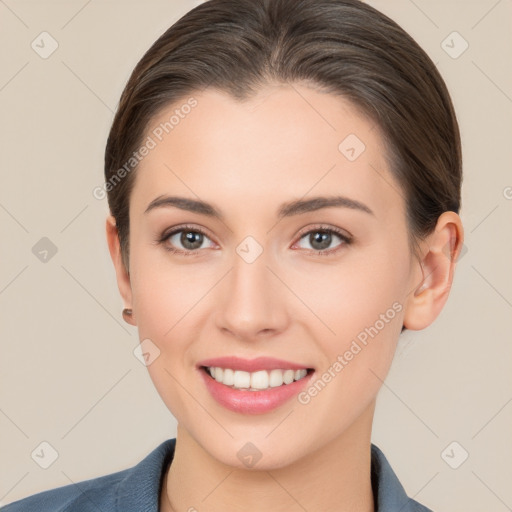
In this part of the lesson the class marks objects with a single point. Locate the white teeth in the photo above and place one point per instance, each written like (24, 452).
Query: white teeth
(259, 380)
(217, 374)
(288, 376)
(242, 379)
(276, 378)
(300, 373)
(255, 381)
(229, 377)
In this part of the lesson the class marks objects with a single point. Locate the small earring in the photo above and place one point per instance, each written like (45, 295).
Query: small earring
(127, 313)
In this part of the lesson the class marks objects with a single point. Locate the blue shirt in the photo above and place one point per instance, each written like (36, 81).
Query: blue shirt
(137, 489)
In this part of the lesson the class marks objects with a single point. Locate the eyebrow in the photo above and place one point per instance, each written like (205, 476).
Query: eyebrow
(288, 209)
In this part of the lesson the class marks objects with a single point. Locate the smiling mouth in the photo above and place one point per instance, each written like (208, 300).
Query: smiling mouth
(260, 380)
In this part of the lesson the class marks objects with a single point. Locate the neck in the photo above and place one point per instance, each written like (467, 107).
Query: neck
(334, 478)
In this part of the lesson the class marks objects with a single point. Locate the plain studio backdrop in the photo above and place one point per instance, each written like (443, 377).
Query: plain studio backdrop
(71, 386)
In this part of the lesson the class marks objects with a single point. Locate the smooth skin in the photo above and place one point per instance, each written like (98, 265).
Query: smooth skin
(247, 159)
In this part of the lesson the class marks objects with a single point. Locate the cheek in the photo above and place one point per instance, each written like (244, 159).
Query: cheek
(352, 295)
(172, 302)
(164, 292)
(361, 303)
(164, 297)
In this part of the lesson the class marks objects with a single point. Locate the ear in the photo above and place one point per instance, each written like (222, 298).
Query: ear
(433, 274)
(122, 274)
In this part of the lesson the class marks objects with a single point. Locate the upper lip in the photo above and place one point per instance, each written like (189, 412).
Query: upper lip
(251, 365)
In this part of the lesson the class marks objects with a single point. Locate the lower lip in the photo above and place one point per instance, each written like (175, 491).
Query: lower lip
(253, 402)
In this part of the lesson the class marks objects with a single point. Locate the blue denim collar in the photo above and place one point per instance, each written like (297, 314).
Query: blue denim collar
(140, 489)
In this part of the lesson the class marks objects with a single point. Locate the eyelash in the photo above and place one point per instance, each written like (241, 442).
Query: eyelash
(318, 229)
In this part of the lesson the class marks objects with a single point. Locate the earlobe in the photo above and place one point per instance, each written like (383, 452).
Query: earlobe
(433, 276)
(122, 275)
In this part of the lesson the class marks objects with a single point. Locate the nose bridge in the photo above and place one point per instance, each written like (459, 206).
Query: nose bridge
(252, 302)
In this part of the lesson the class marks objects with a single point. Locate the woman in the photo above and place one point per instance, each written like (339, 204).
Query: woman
(284, 185)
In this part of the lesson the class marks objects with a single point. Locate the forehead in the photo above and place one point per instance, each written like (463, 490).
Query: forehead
(285, 142)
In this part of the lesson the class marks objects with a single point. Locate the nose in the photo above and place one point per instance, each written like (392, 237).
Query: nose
(252, 300)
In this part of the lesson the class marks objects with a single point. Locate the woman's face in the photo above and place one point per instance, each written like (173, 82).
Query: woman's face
(255, 284)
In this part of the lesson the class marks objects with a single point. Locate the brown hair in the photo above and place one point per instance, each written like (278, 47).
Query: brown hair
(344, 47)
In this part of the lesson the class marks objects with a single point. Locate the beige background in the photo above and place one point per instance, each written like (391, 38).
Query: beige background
(68, 373)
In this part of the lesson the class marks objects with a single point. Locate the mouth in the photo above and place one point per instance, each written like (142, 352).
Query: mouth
(259, 380)
(253, 386)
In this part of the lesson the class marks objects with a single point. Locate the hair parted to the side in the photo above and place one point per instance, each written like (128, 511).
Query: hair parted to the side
(344, 47)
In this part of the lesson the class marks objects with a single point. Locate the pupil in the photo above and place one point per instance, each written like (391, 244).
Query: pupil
(324, 240)
(188, 238)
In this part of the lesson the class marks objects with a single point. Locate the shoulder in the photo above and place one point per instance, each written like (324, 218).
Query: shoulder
(389, 494)
(136, 488)
(93, 494)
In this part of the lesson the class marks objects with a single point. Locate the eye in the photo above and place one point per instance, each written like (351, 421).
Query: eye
(190, 238)
(321, 238)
